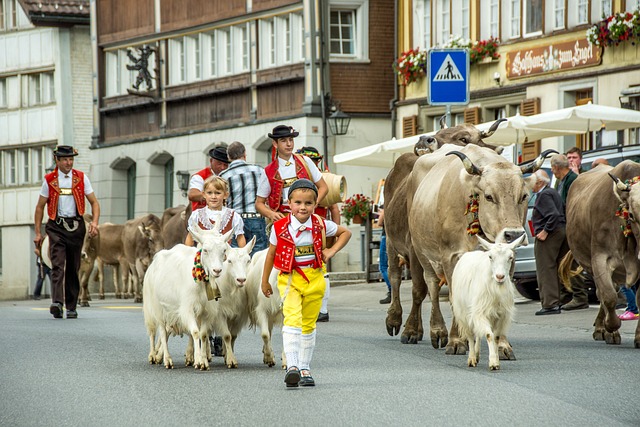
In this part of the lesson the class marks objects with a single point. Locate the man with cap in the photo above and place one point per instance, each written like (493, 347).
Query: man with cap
(218, 161)
(63, 192)
(286, 168)
(243, 181)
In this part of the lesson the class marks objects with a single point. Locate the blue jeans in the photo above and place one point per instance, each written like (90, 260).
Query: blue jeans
(384, 261)
(254, 227)
(630, 295)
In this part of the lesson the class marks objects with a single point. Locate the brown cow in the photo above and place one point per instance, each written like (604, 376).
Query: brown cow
(174, 225)
(141, 239)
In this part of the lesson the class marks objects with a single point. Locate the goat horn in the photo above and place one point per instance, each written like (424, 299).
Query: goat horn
(443, 122)
(492, 129)
(537, 163)
(468, 164)
(619, 184)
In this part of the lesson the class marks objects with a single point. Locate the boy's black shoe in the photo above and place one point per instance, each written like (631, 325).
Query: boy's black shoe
(306, 380)
(386, 300)
(56, 310)
(72, 314)
(323, 317)
(292, 377)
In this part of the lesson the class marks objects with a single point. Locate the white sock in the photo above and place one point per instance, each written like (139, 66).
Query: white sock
(291, 344)
(325, 299)
(307, 344)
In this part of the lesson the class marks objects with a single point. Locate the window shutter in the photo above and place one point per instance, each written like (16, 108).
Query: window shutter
(409, 126)
(530, 149)
(472, 115)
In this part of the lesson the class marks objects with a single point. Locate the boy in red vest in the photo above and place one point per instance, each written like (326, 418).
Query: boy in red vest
(297, 250)
(280, 174)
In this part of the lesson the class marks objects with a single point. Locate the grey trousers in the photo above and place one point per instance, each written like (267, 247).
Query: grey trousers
(548, 255)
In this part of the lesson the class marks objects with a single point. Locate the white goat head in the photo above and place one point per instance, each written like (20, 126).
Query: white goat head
(501, 256)
(214, 249)
(238, 263)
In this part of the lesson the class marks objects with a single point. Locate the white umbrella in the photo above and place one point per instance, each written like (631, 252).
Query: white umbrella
(584, 118)
(516, 130)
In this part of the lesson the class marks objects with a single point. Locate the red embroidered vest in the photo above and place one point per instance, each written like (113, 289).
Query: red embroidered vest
(277, 184)
(204, 173)
(285, 254)
(77, 189)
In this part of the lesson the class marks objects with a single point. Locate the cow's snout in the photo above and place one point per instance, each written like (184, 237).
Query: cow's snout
(511, 235)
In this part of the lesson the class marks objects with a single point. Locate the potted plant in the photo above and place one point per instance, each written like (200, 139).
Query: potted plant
(356, 208)
(615, 29)
(479, 51)
(411, 66)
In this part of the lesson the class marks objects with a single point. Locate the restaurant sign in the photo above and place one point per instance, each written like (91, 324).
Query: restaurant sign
(552, 58)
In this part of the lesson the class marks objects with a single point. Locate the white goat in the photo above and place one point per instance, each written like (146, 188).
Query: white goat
(264, 312)
(176, 303)
(227, 316)
(482, 297)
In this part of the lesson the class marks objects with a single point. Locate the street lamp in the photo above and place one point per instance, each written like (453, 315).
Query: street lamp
(183, 181)
(339, 122)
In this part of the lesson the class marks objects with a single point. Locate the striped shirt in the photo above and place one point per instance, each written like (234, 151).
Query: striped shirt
(243, 181)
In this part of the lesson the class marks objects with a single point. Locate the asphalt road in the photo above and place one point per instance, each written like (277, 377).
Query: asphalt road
(93, 371)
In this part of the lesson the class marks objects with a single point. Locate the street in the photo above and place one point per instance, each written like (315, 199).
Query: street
(94, 371)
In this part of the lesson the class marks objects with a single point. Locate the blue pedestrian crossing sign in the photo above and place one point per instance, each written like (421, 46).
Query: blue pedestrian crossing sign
(448, 71)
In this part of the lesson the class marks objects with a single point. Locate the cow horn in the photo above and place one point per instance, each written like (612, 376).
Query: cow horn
(492, 129)
(443, 122)
(619, 184)
(537, 163)
(468, 164)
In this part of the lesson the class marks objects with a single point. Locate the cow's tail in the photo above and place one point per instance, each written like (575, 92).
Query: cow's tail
(565, 272)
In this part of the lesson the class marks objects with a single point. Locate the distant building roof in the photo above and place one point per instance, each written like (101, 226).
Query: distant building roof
(57, 12)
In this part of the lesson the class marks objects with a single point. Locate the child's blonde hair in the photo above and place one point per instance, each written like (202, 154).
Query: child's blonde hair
(217, 183)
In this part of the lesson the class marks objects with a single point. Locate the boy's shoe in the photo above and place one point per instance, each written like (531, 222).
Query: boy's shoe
(323, 317)
(216, 346)
(306, 380)
(72, 314)
(628, 315)
(387, 299)
(292, 377)
(56, 310)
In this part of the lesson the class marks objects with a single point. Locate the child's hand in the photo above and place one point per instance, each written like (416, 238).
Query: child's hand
(327, 254)
(266, 289)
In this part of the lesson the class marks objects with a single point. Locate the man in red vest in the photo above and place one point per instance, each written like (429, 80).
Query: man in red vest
(63, 192)
(218, 161)
(286, 168)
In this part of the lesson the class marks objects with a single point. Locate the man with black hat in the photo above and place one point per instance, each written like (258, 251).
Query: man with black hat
(63, 192)
(218, 161)
(286, 168)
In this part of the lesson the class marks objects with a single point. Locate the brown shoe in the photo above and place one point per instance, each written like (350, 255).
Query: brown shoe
(575, 305)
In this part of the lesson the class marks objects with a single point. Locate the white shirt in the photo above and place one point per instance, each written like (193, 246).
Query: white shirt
(66, 203)
(264, 188)
(306, 237)
(197, 182)
(206, 216)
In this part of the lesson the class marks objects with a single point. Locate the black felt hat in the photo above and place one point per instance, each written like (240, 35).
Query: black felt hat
(310, 152)
(65, 151)
(219, 153)
(283, 131)
(302, 183)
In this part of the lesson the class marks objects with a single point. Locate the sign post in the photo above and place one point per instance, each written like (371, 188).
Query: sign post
(448, 71)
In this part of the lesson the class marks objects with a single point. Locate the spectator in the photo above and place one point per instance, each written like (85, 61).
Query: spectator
(243, 179)
(631, 313)
(218, 161)
(551, 243)
(564, 175)
(574, 156)
(384, 260)
(43, 271)
(63, 192)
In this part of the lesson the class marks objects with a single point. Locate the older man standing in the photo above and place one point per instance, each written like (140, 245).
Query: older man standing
(564, 175)
(243, 181)
(551, 242)
(218, 161)
(63, 192)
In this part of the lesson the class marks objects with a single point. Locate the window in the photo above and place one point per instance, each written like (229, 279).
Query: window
(422, 24)
(515, 19)
(228, 51)
(41, 89)
(168, 184)
(25, 167)
(606, 8)
(3, 93)
(286, 21)
(494, 19)
(532, 17)
(269, 54)
(445, 19)
(583, 11)
(177, 61)
(244, 40)
(558, 14)
(10, 167)
(2, 15)
(37, 170)
(197, 57)
(281, 41)
(465, 19)
(632, 5)
(342, 32)
(131, 191)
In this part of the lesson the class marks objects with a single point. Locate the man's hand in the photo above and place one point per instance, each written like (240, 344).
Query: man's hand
(93, 229)
(275, 216)
(38, 240)
(266, 289)
(542, 236)
(327, 254)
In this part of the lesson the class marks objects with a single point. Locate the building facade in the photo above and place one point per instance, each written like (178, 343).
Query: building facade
(544, 62)
(45, 100)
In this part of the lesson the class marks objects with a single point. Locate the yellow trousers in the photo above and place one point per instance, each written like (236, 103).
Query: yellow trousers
(303, 300)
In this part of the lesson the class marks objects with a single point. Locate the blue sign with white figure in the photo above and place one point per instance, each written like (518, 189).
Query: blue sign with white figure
(448, 71)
